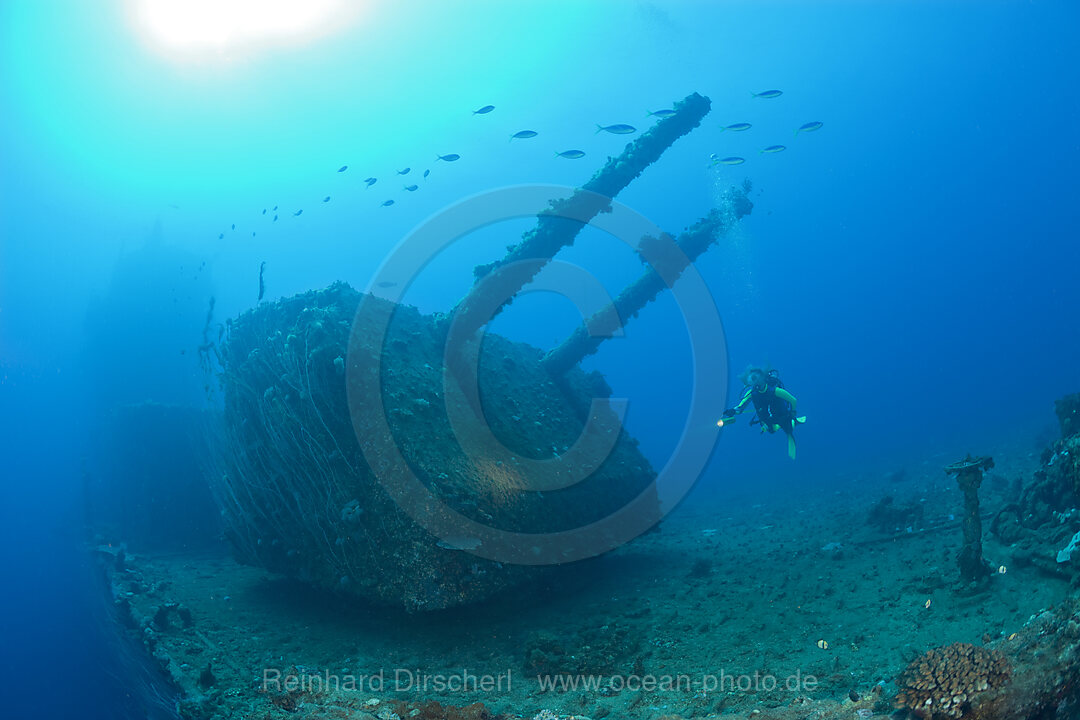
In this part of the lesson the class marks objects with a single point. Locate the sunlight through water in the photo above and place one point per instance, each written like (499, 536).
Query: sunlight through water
(202, 29)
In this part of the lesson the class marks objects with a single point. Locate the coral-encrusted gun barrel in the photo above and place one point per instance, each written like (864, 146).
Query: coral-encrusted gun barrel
(588, 336)
(553, 232)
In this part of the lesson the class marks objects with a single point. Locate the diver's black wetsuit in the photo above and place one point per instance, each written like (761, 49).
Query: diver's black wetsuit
(774, 407)
(772, 410)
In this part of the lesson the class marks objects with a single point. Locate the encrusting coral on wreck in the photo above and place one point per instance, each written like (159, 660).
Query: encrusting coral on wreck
(1068, 412)
(946, 682)
(1041, 524)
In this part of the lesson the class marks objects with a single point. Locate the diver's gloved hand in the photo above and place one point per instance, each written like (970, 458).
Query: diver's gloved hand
(727, 418)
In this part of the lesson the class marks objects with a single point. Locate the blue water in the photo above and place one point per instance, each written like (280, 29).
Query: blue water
(910, 268)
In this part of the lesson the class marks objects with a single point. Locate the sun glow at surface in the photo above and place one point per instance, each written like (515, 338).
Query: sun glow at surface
(201, 28)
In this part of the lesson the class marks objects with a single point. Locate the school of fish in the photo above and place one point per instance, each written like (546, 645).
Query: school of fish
(576, 154)
(717, 160)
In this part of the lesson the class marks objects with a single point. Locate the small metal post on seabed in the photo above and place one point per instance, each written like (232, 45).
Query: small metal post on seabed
(969, 475)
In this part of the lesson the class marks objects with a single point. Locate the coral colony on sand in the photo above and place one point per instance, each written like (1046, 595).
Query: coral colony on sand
(945, 681)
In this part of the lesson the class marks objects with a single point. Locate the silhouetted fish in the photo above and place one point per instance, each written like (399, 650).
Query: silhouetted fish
(275, 208)
(619, 129)
(768, 94)
(275, 218)
(570, 154)
(448, 158)
(809, 127)
(411, 188)
(774, 149)
(662, 113)
(298, 212)
(484, 110)
(326, 199)
(524, 134)
(234, 226)
(730, 161)
(388, 203)
(221, 236)
(737, 127)
(404, 172)
(370, 181)
(264, 211)
(426, 173)
(343, 168)
(459, 543)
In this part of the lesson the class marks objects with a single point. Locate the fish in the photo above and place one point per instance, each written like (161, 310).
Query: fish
(221, 236)
(737, 127)
(666, 113)
(809, 127)
(326, 199)
(523, 134)
(448, 158)
(264, 211)
(275, 218)
(388, 203)
(928, 603)
(1002, 570)
(774, 149)
(619, 129)
(295, 214)
(252, 233)
(275, 208)
(426, 173)
(570, 154)
(234, 226)
(412, 188)
(370, 181)
(768, 94)
(484, 110)
(823, 644)
(343, 168)
(459, 543)
(730, 161)
(404, 172)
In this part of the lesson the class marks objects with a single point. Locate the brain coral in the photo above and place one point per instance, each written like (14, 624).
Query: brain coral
(943, 682)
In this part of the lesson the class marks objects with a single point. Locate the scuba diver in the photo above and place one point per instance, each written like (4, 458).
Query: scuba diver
(773, 405)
